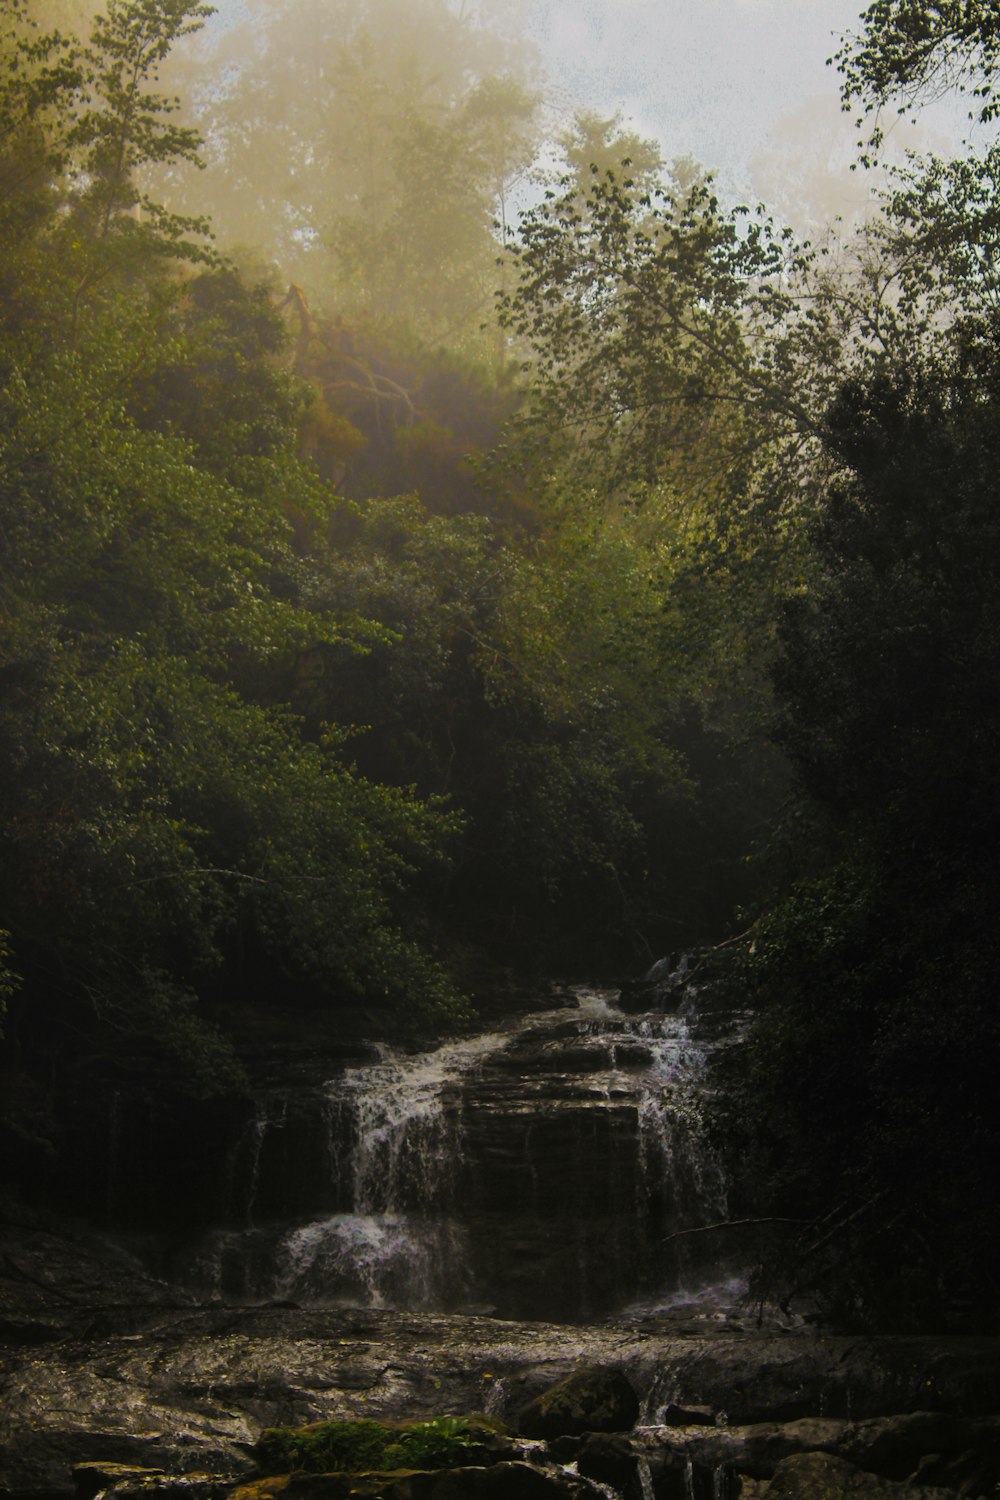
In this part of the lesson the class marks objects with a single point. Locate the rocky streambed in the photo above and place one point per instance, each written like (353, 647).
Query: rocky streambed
(95, 1374)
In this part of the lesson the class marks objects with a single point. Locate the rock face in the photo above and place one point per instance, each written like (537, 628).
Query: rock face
(538, 1170)
(502, 1481)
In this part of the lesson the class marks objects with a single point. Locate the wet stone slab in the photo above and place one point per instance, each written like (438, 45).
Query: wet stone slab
(190, 1390)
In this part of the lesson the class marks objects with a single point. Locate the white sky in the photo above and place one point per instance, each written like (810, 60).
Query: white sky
(707, 78)
(742, 86)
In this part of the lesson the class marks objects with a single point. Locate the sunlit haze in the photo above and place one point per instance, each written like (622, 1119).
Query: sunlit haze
(744, 87)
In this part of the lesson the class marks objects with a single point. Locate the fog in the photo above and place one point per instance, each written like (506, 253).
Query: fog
(744, 87)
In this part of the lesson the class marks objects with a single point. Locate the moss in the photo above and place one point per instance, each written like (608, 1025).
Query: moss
(363, 1445)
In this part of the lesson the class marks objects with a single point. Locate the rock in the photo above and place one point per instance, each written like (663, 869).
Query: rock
(592, 1399)
(28, 1330)
(94, 1476)
(747, 1378)
(504, 1481)
(191, 1390)
(675, 1415)
(721, 1483)
(970, 1473)
(897, 1446)
(262, 1489)
(640, 995)
(944, 1448)
(754, 1450)
(361, 1446)
(635, 1469)
(153, 1486)
(610, 1458)
(823, 1476)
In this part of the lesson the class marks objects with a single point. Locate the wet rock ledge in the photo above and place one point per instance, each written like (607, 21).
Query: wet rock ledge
(189, 1391)
(113, 1383)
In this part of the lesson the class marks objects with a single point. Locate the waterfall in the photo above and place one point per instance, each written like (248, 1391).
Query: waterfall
(542, 1169)
(394, 1130)
(404, 1118)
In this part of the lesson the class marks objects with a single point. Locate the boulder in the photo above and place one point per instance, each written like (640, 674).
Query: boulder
(153, 1486)
(938, 1448)
(594, 1398)
(504, 1481)
(91, 1478)
(947, 1448)
(364, 1445)
(824, 1476)
(610, 1458)
(687, 1415)
(754, 1450)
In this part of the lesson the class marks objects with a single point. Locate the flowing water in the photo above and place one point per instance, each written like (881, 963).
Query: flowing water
(548, 1168)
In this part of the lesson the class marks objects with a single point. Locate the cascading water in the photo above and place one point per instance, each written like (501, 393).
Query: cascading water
(542, 1170)
(396, 1149)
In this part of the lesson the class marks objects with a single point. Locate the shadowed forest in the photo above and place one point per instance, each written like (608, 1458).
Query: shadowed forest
(440, 547)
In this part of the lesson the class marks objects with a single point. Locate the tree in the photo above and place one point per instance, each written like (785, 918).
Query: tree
(167, 828)
(910, 51)
(653, 325)
(592, 146)
(866, 1087)
(390, 416)
(862, 1093)
(377, 142)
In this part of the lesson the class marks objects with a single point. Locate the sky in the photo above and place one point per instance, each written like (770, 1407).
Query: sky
(707, 78)
(742, 86)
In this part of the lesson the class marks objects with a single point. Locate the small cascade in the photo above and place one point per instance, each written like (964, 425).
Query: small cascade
(403, 1119)
(113, 1149)
(550, 1169)
(394, 1130)
(364, 1260)
(267, 1117)
(710, 1482)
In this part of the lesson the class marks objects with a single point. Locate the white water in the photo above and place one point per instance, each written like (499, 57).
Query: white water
(401, 1245)
(404, 1115)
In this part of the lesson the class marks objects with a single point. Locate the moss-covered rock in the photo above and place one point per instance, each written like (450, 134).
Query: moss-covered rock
(92, 1477)
(262, 1489)
(364, 1445)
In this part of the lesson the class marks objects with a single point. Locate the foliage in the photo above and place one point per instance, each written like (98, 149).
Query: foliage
(559, 691)
(654, 323)
(391, 416)
(910, 51)
(9, 978)
(475, 698)
(363, 1445)
(218, 379)
(368, 146)
(166, 825)
(866, 1085)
